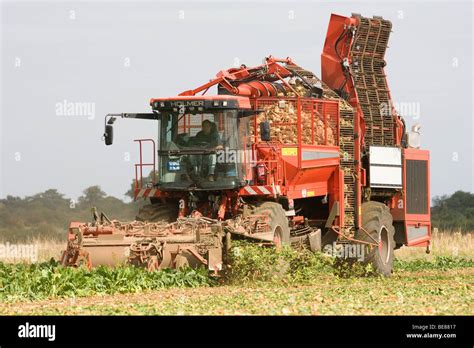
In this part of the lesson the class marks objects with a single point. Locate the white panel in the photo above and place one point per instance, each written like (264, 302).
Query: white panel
(385, 155)
(313, 155)
(385, 176)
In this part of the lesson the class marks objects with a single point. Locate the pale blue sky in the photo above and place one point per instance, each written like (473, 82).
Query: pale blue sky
(117, 55)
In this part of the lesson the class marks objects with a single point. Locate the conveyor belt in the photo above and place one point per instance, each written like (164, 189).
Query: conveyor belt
(367, 62)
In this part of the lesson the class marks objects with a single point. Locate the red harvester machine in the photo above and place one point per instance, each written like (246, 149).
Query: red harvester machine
(279, 156)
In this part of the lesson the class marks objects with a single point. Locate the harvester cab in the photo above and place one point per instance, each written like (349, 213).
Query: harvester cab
(199, 142)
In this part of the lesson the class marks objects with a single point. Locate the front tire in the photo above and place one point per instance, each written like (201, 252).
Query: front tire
(278, 222)
(377, 221)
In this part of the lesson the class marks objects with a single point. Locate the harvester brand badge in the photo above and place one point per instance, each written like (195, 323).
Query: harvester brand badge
(37, 331)
(176, 103)
(289, 151)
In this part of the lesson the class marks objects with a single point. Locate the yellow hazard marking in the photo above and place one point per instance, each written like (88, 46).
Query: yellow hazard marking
(289, 151)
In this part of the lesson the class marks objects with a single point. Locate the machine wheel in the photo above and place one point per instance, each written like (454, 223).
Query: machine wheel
(158, 212)
(278, 222)
(378, 222)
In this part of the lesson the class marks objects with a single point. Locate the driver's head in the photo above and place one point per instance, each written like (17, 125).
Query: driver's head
(206, 127)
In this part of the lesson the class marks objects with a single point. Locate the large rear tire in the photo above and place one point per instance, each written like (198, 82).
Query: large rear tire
(278, 222)
(158, 212)
(378, 223)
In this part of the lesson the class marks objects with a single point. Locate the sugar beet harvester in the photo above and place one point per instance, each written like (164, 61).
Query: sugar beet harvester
(278, 156)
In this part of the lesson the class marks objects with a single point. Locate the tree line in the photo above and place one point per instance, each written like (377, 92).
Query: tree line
(48, 214)
(455, 212)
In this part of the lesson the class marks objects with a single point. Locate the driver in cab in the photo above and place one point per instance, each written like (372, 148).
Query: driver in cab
(208, 138)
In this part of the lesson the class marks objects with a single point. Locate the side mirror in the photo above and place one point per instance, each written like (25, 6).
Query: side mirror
(109, 129)
(265, 131)
(109, 134)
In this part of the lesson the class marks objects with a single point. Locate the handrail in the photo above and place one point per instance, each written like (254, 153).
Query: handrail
(141, 164)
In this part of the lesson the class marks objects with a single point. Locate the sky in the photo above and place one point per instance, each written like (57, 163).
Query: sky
(66, 64)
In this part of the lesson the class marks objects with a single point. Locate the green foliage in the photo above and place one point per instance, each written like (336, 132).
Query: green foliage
(454, 212)
(251, 265)
(440, 263)
(49, 279)
(250, 262)
(431, 292)
(347, 268)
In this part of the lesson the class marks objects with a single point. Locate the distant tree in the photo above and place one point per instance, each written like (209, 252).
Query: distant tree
(438, 201)
(48, 214)
(52, 194)
(454, 212)
(92, 196)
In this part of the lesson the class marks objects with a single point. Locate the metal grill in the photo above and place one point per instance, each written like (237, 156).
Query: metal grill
(322, 123)
(284, 124)
(417, 186)
(319, 121)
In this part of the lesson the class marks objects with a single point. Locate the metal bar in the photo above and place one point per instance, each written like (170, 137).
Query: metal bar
(150, 116)
(332, 215)
(352, 239)
(300, 152)
(136, 176)
(313, 104)
(325, 124)
(141, 164)
(154, 162)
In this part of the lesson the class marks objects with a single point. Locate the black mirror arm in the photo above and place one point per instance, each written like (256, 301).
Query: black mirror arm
(111, 118)
(149, 116)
